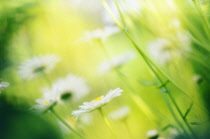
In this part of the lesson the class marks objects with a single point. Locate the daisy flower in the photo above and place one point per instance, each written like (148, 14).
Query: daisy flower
(120, 114)
(71, 87)
(99, 34)
(43, 104)
(159, 49)
(97, 103)
(116, 62)
(163, 50)
(35, 66)
(3, 85)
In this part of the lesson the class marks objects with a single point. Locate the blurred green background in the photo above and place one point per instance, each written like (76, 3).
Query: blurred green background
(31, 28)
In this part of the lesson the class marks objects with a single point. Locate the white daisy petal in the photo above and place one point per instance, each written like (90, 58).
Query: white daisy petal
(116, 62)
(111, 94)
(33, 67)
(3, 85)
(165, 50)
(97, 103)
(99, 34)
(71, 88)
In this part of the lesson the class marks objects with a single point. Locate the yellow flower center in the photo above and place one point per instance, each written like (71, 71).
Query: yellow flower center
(98, 98)
(46, 102)
(71, 121)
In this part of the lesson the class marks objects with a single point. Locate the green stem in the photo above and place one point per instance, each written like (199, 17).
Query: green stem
(107, 122)
(139, 101)
(49, 108)
(174, 114)
(153, 70)
(180, 88)
(65, 123)
(161, 81)
(202, 43)
(182, 115)
(106, 6)
(121, 15)
(164, 87)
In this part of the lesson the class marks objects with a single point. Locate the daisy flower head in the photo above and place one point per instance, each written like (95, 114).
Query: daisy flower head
(42, 104)
(116, 62)
(159, 49)
(3, 85)
(37, 65)
(120, 114)
(71, 88)
(99, 34)
(165, 50)
(49, 99)
(97, 103)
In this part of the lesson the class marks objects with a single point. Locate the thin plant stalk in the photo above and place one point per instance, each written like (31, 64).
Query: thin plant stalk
(172, 81)
(138, 100)
(50, 107)
(137, 48)
(106, 6)
(121, 15)
(65, 123)
(153, 70)
(107, 122)
(180, 88)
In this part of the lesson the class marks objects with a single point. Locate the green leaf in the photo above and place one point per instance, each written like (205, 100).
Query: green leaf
(188, 110)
